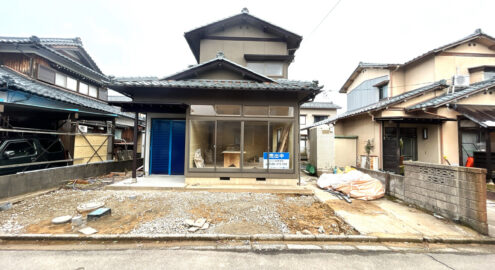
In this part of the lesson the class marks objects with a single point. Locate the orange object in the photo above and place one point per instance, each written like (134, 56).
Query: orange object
(470, 162)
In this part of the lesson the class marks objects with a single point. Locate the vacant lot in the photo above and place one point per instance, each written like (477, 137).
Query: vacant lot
(165, 212)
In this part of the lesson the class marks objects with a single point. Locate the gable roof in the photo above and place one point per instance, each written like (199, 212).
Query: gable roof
(453, 97)
(15, 80)
(220, 62)
(476, 35)
(361, 66)
(384, 103)
(47, 47)
(320, 105)
(194, 37)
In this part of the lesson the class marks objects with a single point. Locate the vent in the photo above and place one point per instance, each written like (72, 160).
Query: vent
(260, 179)
(225, 178)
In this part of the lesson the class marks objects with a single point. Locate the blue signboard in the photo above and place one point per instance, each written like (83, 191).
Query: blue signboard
(276, 160)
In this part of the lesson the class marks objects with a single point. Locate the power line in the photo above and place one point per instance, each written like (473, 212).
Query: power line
(324, 18)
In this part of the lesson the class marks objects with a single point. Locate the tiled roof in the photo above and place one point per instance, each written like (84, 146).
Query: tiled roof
(222, 84)
(219, 60)
(450, 97)
(46, 43)
(477, 34)
(23, 83)
(320, 105)
(384, 103)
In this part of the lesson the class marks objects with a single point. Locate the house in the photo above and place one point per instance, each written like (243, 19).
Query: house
(232, 118)
(310, 113)
(436, 108)
(52, 86)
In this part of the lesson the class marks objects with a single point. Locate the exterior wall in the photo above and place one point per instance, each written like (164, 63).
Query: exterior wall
(309, 113)
(322, 154)
(220, 75)
(458, 193)
(345, 151)
(479, 99)
(394, 183)
(428, 149)
(365, 75)
(235, 50)
(397, 82)
(476, 76)
(418, 74)
(365, 129)
(364, 94)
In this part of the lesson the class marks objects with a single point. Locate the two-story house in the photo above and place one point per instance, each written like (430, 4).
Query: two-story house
(417, 110)
(51, 86)
(234, 117)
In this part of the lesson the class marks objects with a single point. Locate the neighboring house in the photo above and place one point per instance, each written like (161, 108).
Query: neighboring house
(232, 118)
(311, 113)
(424, 103)
(52, 86)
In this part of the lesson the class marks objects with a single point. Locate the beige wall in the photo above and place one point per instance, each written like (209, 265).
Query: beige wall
(322, 154)
(345, 152)
(235, 50)
(309, 113)
(366, 74)
(418, 74)
(479, 99)
(220, 75)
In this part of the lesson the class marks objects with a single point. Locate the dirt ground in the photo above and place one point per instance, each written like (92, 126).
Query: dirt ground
(136, 212)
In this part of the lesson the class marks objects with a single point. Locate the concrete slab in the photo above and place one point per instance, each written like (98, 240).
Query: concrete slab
(277, 189)
(153, 182)
(384, 217)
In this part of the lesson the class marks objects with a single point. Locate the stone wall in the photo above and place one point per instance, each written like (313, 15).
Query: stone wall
(458, 193)
(32, 181)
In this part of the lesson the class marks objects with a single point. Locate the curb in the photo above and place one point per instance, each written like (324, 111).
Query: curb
(255, 237)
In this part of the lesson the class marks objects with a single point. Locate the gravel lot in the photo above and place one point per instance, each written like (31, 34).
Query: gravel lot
(166, 212)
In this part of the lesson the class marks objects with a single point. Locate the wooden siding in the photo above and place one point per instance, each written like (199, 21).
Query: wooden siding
(21, 63)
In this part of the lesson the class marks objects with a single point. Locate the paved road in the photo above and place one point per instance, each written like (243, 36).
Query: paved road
(204, 259)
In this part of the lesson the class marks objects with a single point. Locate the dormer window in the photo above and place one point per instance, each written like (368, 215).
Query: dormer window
(383, 91)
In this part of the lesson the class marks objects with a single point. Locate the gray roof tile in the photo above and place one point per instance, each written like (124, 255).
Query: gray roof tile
(320, 105)
(458, 94)
(23, 83)
(383, 103)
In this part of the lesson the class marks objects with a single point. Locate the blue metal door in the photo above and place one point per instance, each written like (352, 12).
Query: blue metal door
(167, 146)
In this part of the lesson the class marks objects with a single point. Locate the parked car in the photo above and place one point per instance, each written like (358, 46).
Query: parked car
(14, 152)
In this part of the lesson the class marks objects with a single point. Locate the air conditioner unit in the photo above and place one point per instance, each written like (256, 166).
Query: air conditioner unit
(461, 80)
(83, 129)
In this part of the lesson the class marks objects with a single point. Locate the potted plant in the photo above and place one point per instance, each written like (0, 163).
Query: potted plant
(368, 148)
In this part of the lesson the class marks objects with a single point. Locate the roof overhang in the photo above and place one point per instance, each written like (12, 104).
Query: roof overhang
(20, 110)
(483, 115)
(362, 66)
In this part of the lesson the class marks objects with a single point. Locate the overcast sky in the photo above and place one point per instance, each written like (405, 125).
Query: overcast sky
(146, 38)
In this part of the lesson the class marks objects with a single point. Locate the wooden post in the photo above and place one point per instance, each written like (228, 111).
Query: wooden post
(488, 155)
(134, 147)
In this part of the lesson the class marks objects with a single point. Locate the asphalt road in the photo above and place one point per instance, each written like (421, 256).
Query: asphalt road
(202, 259)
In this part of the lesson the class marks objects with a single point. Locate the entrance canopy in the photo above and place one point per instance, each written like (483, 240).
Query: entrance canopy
(483, 115)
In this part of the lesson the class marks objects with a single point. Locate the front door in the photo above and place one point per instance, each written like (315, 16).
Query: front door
(167, 146)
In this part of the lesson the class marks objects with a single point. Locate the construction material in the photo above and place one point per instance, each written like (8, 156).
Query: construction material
(61, 220)
(352, 183)
(91, 206)
(87, 231)
(98, 213)
(77, 221)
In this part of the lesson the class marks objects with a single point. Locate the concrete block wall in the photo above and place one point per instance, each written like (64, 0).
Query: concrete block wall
(32, 181)
(458, 193)
(394, 183)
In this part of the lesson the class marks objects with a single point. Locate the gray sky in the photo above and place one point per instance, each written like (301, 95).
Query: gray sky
(146, 38)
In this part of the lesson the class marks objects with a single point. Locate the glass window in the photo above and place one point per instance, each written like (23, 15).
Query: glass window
(383, 91)
(267, 68)
(202, 110)
(302, 120)
(93, 91)
(281, 111)
(256, 110)
(228, 109)
(281, 153)
(19, 149)
(318, 118)
(255, 144)
(83, 88)
(71, 84)
(60, 79)
(228, 147)
(201, 144)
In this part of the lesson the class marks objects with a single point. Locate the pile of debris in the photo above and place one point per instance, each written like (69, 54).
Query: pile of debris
(352, 183)
(93, 211)
(198, 224)
(92, 183)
